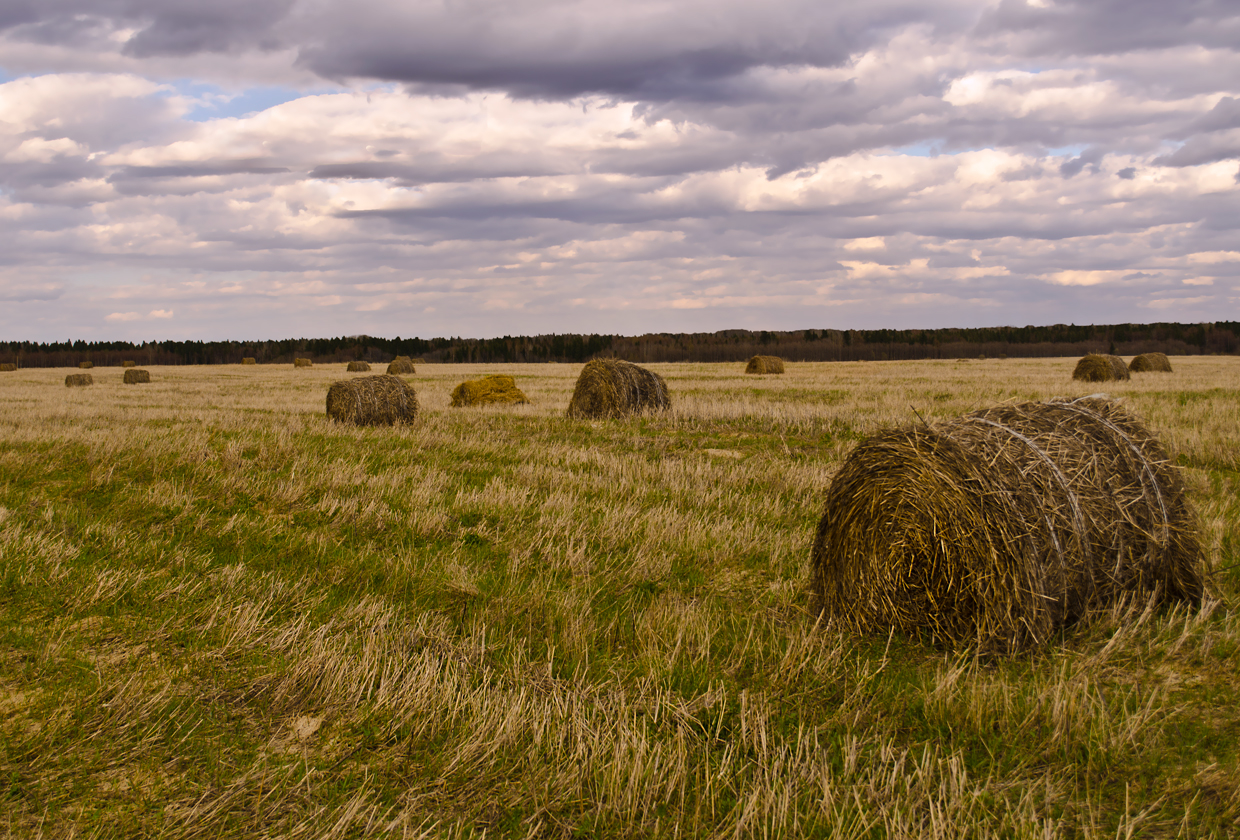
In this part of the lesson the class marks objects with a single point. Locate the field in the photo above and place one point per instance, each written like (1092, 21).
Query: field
(222, 615)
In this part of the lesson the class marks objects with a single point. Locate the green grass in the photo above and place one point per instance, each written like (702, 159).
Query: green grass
(221, 615)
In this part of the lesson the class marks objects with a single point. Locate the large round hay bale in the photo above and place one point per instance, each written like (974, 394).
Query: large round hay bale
(1150, 363)
(765, 364)
(401, 365)
(7, 367)
(74, 380)
(249, 360)
(135, 376)
(1000, 527)
(129, 363)
(372, 401)
(1097, 367)
(302, 363)
(496, 388)
(613, 388)
(357, 367)
(86, 365)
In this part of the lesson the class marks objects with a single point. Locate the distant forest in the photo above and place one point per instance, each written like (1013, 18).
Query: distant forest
(723, 346)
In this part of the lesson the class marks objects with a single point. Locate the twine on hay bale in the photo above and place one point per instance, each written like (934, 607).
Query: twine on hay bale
(129, 363)
(765, 364)
(401, 365)
(1097, 367)
(1002, 526)
(74, 380)
(7, 367)
(613, 388)
(302, 363)
(496, 388)
(136, 376)
(372, 401)
(1150, 363)
(86, 365)
(357, 367)
(249, 360)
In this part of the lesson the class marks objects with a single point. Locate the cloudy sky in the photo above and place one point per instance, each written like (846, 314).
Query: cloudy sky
(273, 168)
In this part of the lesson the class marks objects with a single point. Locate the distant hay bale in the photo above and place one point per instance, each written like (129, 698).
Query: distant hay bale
(249, 360)
(74, 380)
(302, 363)
(7, 367)
(129, 363)
(357, 367)
(86, 365)
(613, 388)
(497, 388)
(1150, 363)
(1000, 527)
(765, 364)
(401, 365)
(1096, 367)
(372, 401)
(136, 376)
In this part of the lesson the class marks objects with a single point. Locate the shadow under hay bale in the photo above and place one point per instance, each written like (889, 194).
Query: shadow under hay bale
(613, 388)
(358, 367)
(401, 365)
(7, 367)
(1000, 527)
(372, 401)
(129, 363)
(302, 363)
(1096, 367)
(765, 364)
(86, 365)
(249, 360)
(74, 380)
(1150, 363)
(137, 376)
(489, 390)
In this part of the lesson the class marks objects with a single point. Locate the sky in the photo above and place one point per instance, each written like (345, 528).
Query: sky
(248, 169)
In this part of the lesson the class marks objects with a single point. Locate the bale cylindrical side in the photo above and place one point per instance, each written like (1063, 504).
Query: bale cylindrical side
(302, 363)
(1150, 363)
(765, 364)
(372, 401)
(1096, 367)
(1002, 526)
(401, 365)
(7, 367)
(129, 363)
(357, 367)
(249, 360)
(86, 365)
(1119, 367)
(614, 388)
(74, 380)
(136, 376)
(489, 390)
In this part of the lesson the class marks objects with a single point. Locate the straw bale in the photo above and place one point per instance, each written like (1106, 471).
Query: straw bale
(497, 388)
(249, 360)
(1150, 363)
(129, 363)
(1096, 367)
(372, 401)
(302, 363)
(401, 365)
(86, 365)
(613, 388)
(7, 367)
(75, 379)
(765, 364)
(135, 376)
(997, 528)
(357, 367)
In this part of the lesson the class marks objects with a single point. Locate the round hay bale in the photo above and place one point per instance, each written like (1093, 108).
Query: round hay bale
(765, 364)
(372, 401)
(302, 363)
(357, 367)
(1150, 363)
(497, 388)
(613, 388)
(401, 365)
(136, 376)
(7, 367)
(249, 360)
(86, 365)
(129, 363)
(1000, 527)
(75, 380)
(1096, 367)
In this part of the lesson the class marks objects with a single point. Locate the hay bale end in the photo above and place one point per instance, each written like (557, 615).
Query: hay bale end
(372, 401)
(609, 388)
(129, 363)
(765, 364)
(86, 365)
(489, 390)
(137, 376)
(249, 360)
(302, 363)
(76, 380)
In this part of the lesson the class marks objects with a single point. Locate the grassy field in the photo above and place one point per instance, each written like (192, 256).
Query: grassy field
(222, 615)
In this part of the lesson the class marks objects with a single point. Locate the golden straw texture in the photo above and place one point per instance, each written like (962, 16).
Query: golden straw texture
(77, 379)
(357, 367)
(135, 376)
(86, 365)
(613, 388)
(765, 364)
(302, 363)
(497, 388)
(249, 360)
(401, 365)
(1150, 363)
(129, 363)
(1096, 367)
(372, 401)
